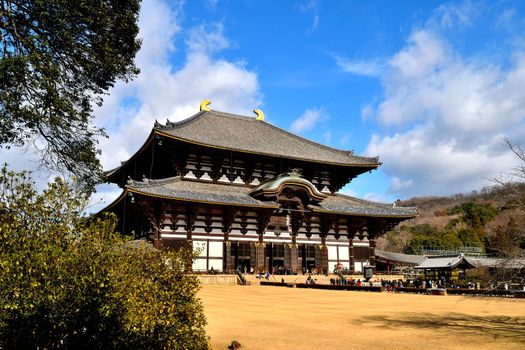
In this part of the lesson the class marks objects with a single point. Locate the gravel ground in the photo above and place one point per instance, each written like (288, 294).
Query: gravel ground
(261, 317)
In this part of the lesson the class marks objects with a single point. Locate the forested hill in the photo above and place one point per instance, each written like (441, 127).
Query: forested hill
(491, 221)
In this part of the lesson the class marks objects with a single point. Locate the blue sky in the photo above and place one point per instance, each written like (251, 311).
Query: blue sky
(431, 87)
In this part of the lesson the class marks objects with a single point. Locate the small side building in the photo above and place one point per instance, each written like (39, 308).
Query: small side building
(438, 267)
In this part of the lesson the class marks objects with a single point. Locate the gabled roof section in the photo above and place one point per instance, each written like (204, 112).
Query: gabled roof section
(444, 262)
(407, 259)
(346, 205)
(195, 191)
(501, 263)
(246, 134)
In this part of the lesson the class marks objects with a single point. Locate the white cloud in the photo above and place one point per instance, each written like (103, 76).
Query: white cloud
(211, 4)
(315, 23)
(399, 185)
(367, 111)
(377, 197)
(168, 90)
(307, 6)
(449, 114)
(311, 6)
(359, 67)
(506, 18)
(207, 38)
(164, 90)
(454, 14)
(424, 161)
(310, 118)
(424, 54)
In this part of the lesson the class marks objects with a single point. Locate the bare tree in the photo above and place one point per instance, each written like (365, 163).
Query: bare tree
(510, 239)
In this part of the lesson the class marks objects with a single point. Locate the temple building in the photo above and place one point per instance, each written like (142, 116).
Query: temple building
(249, 194)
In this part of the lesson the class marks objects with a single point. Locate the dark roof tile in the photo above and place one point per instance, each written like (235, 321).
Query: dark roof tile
(246, 134)
(343, 204)
(216, 193)
(194, 191)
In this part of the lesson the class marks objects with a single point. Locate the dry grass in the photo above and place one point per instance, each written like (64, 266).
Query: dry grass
(288, 318)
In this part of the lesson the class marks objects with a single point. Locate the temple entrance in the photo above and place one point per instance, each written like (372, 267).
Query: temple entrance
(275, 258)
(241, 252)
(307, 257)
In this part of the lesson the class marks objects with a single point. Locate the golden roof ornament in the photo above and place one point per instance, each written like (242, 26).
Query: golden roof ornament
(204, 105)
(260, 114)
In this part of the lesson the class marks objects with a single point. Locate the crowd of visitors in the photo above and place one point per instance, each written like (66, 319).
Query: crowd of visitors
(347, 282)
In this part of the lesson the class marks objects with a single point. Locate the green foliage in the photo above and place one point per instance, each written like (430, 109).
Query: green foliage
(468, 235)
(427, 235)
(70, 282)
(57, 58)
(474, 214)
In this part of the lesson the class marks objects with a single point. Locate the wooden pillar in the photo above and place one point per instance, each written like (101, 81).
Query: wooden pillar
(294, 256)
(227, 221)
(228, 258)
(155, 212)
(324, 255)
(263, 219)
(288, 256)
(318, 259)
(157, 239)
(296, 223)
(324, 227)
(260, 258)
(352, 254)
(291, 256)
(191, 215)
(372, 258)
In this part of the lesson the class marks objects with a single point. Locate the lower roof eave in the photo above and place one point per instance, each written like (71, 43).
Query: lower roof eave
(186, 200)
(335, 212)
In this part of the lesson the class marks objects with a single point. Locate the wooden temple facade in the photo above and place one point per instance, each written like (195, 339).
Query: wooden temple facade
(249, 195)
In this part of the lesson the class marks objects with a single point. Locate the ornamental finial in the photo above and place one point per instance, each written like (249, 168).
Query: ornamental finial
(260, 114)
(204, 105)
(295, 172)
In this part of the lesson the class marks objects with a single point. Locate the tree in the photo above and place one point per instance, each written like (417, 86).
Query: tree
(57, 59)
(514, 187)
(509, 239)
(425, 235)
(67, 281)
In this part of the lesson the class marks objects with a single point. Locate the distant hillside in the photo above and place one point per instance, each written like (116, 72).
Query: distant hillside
(492, 219)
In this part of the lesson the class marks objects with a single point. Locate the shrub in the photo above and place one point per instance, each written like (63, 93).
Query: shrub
(67, 281)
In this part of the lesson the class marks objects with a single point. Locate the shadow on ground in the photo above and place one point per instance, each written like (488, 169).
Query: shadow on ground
(499, 327)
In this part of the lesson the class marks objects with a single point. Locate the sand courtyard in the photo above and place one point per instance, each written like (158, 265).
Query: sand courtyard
(263, 317)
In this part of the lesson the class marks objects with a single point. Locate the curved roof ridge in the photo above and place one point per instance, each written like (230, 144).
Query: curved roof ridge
(349, 153)
(172, 125)
(152, 182)
(345, 152)
(175, 125)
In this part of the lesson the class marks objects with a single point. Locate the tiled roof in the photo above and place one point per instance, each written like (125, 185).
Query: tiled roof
(400, 258)
(342, 204)
(195, 191)
(505, 263)
(444, 262)
(246, 134)
(216, 193)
